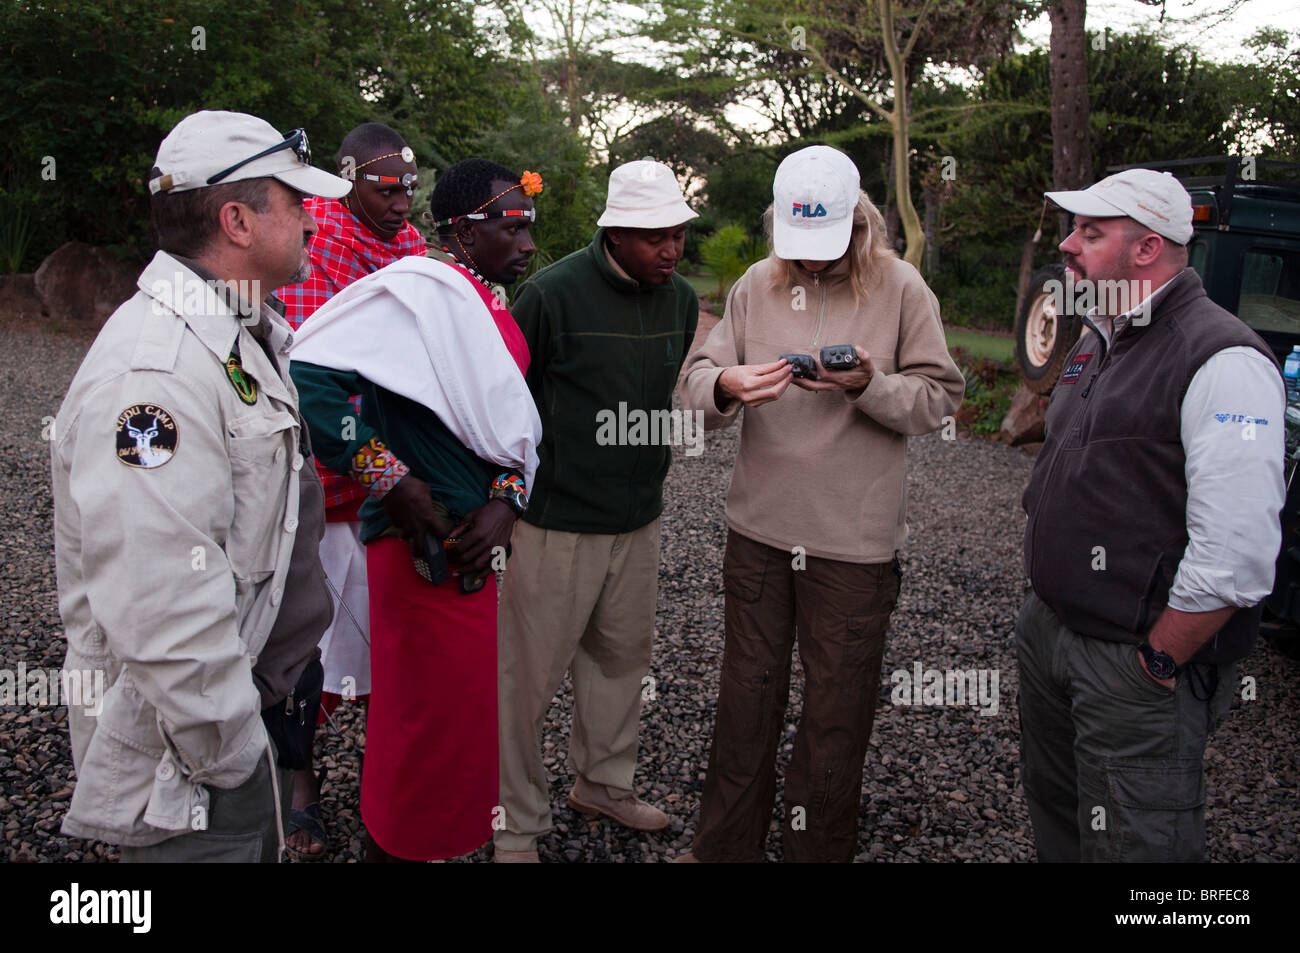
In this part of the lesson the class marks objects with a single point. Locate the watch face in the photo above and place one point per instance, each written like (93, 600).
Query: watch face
(1158, 663)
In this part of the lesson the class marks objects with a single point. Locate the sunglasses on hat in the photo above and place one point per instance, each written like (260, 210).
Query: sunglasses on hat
(295, 140)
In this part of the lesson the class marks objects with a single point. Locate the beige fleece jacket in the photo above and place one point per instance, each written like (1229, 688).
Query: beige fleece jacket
(825, 470)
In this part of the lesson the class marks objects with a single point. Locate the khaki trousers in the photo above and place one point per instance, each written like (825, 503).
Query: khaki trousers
(582, 602)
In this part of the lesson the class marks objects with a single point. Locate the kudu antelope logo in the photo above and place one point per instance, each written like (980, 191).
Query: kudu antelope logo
(146, 436)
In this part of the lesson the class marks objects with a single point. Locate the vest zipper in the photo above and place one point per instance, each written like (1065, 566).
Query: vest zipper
(1071, 424)
(821, 311)
(640, 321)
(1105, 354)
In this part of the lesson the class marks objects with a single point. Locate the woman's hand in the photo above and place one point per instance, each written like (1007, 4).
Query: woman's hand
(853, 379)
(753, 384)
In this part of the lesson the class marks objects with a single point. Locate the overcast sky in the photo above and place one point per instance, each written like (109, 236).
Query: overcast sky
(1221, 41)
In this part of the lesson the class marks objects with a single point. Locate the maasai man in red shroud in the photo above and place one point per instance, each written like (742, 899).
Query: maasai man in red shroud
(355, 236)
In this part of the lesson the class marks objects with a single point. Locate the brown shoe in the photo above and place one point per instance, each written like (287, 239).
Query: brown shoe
(592, 800)
(686, 858)
(502, 856)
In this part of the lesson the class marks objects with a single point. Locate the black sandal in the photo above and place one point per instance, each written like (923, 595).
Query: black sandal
(308, 819)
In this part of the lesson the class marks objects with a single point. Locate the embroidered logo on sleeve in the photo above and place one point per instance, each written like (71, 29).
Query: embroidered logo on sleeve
(1072, 370)
(1241, 419)
(146, 436)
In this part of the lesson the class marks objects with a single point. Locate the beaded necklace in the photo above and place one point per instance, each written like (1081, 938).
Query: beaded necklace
(468, 264)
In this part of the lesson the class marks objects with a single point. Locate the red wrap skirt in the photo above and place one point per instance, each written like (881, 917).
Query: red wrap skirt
(430, 780)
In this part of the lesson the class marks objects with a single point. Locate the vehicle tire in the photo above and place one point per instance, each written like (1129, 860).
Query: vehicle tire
(1043, 337)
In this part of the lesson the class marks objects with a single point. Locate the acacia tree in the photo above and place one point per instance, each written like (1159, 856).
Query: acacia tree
(898, 115)
(874, 53)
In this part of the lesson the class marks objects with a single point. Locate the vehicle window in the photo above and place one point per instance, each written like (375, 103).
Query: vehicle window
(1196, 257)
(1270, 290)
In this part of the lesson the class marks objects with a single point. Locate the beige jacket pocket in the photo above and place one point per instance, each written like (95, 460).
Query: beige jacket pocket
(261, 448)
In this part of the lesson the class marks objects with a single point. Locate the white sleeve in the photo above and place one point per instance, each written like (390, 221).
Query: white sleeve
(1233, 433)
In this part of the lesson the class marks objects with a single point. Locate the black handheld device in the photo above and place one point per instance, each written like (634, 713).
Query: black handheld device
(802, 365)
(431, 563)
(839, 357)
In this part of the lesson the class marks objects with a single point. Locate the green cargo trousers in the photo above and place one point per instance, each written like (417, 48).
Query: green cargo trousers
(241, 826)
(1112, 760)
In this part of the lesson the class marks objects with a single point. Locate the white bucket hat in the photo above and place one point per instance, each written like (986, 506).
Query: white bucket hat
(213, 147)
(644, 194)
(1154, 199)
(815, 192)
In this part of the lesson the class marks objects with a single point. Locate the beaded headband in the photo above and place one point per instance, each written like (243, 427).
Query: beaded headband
(407, 181)
(406, 154)
(530, 183)
(529, 213)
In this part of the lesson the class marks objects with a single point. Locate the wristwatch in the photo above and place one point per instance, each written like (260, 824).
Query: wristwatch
(510, 490)
(1159, 664)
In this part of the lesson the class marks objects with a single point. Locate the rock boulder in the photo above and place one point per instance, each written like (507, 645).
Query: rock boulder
(79, 282)
(1024, 422)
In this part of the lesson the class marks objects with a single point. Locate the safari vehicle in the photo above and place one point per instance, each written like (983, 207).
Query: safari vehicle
(1246, 248)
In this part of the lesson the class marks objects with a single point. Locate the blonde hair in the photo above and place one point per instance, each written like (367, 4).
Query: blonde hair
(868, 247)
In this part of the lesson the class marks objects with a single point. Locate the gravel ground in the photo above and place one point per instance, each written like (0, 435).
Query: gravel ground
(941, 783)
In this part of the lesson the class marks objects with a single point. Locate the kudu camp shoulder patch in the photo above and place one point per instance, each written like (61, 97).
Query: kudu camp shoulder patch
(146, 436)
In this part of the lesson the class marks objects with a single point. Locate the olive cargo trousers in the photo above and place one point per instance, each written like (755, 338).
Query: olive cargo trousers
(1112, 760)
(840, 611)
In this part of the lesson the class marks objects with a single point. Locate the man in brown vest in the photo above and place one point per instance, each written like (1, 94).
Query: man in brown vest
(1153, 529)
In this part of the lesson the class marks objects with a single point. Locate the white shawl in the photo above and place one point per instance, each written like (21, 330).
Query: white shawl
(419, 328)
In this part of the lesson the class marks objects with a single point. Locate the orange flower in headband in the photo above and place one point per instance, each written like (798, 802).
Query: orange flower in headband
(532, 183)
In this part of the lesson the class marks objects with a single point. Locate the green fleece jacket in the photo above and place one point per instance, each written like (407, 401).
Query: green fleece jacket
(599, 340)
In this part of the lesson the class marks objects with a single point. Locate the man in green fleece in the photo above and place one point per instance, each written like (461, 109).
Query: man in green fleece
(608, 328)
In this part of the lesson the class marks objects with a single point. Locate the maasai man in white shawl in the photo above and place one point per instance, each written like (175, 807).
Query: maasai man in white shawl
(446, 445)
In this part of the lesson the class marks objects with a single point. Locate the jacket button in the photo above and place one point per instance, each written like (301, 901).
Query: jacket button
(290, 524)
(297, 461)
(276, 595)
(166, 770)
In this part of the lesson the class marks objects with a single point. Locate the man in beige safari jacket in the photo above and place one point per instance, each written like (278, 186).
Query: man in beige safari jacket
(177, 473)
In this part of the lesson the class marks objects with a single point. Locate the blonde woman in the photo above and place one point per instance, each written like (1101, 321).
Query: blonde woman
(816, 511)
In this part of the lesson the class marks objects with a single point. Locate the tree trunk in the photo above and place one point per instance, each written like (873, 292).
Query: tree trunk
(1071, 144)
(890, 206)
(900, 120)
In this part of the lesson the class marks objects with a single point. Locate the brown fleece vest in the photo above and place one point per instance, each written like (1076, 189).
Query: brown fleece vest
(1111, 473)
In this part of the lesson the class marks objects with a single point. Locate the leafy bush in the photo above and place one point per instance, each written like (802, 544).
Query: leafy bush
(15, 233)
(989, 387)
(728, 253)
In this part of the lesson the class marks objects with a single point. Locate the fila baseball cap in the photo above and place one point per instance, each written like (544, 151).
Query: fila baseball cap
(213, 147)
(1154, 199)
(814, 193)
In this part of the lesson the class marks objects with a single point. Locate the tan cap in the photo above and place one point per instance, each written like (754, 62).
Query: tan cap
(644, 194)
(1154, 199)
(213, 147)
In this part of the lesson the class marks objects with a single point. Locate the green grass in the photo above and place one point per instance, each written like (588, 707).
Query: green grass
(703, 283)
(981, 344)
